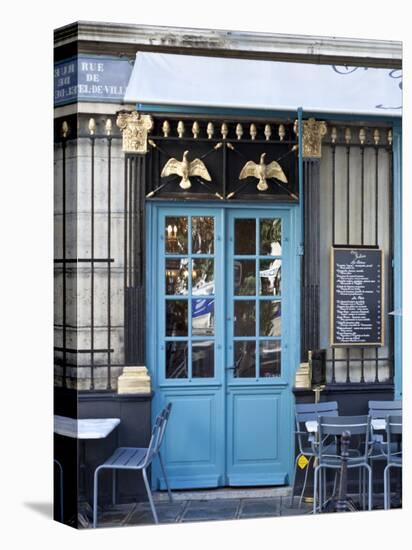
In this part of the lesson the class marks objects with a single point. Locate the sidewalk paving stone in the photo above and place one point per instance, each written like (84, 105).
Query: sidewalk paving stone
(185, 511)
(203, 510)
(262, 507)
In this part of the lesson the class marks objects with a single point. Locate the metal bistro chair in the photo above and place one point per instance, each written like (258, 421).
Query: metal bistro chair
(334, 426)
(306, 442)
(381, 409)
(137, 458)
(394, 458)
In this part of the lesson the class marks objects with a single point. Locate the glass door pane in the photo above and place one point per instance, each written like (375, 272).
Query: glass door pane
(189, 295)
(255, 267)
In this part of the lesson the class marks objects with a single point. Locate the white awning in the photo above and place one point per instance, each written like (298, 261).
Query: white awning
(197, 81)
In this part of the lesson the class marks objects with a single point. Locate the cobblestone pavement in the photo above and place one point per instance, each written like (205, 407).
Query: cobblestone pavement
(199, 510)
(183, 511)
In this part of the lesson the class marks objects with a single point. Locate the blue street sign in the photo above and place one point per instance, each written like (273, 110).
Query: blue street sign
(91, 78)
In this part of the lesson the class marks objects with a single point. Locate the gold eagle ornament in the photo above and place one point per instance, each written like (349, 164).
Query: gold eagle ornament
(262, 171)
(185, 169)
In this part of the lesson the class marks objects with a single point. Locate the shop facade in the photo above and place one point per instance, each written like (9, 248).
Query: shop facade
(208, 211)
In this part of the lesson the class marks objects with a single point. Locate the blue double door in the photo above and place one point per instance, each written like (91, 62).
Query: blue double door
(221, 306)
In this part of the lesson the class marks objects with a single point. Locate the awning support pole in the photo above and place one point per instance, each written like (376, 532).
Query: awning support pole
(300, 175)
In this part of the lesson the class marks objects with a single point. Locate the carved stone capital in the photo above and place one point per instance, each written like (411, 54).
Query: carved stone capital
(135, 128)
(312, 134)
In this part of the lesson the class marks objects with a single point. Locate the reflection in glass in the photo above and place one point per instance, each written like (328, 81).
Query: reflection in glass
(244, 277)
(176, 359)
(202, 235)
(177, 276)
(270, 358)
(203, 316)
(271, 237)
(176, 317)
(245, 360)
(203, 359)
(270, 277)
(245, 318)
(203, 280)
(245, 236)
(270, 318)
(176, 235)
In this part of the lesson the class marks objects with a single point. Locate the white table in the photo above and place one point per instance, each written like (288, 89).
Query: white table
(378, 424)
(84, 428)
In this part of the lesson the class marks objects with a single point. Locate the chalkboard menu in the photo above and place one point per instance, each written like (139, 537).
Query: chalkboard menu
(357, 296)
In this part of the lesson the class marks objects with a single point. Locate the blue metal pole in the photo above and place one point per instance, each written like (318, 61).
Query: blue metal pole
(300, 172)
(397, 255)
(299, 242)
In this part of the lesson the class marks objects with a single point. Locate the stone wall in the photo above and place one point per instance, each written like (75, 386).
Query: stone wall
(79, 245)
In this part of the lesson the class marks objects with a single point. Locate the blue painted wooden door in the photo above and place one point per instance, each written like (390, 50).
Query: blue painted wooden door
(258, 306)
(219, 309)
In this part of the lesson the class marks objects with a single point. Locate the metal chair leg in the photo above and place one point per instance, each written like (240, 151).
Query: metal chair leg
(165, 477)
(304, 482)
(320, 489)
(114, 482)
(371, 465)
(315, 487)
(335, 484)
(323, 499)
(386, 487)
(95, 496)
(369, 470)
(149, 494)
(294, 481)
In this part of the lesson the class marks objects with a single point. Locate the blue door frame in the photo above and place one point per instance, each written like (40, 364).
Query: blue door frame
(220, 429)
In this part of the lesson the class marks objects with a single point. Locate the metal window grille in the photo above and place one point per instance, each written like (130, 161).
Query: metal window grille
(359, 162)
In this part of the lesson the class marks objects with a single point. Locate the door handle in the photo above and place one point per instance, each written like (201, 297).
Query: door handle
(231, 368)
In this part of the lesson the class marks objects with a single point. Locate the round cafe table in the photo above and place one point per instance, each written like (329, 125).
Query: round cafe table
(84, 429)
